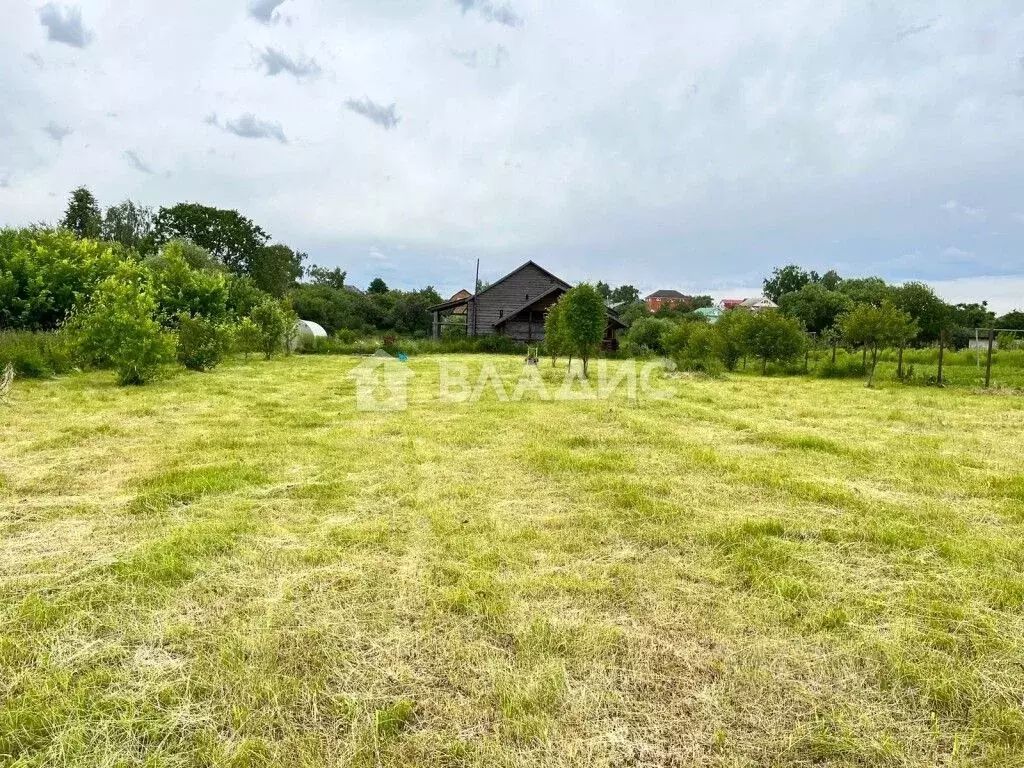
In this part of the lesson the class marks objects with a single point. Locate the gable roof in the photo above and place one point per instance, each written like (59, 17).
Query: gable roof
(667, 294)
(519, 269)
(455, 302)
(759, 301)
(463, 294)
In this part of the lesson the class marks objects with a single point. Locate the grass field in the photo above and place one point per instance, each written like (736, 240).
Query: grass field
(241, 569)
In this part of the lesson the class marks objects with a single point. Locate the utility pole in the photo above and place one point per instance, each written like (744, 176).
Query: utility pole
(476, 289)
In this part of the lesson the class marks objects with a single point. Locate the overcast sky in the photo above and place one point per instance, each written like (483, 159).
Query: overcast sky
(667, 145)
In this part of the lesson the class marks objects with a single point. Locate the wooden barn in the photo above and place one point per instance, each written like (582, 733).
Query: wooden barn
(514, 306)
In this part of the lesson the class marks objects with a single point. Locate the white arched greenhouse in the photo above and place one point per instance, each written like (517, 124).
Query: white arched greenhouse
(307, 334)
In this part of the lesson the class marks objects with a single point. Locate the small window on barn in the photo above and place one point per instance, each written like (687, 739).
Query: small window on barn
(527, 297)
(501, 313)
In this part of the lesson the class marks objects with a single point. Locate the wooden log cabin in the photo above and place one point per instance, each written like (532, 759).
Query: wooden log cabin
(514, 306)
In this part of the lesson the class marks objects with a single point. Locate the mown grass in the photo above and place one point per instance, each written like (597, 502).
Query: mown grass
(241, 569)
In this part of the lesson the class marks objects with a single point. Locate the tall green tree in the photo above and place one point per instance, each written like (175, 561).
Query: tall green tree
(876, 328)
(275, 269)
(932, 314)
(227, 234)
(830, 280)
(584, 318)
(786, 280)
(625, 294)
(82, 216)
(378, 286)
(554, 332)
(866, 290)
(129, 224)
(1012, 320)
(815, 306)
(333, 278)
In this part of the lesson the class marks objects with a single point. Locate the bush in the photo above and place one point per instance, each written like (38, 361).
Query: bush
(247, 336)
(180, 288)
(647, 336)
(273, 322)
(202, 343)
(34, 355)
(45, 274)
(120, 329)
(774, 338)
(698, 349)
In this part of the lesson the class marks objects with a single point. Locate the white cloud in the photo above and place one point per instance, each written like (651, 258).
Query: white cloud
(644, 142)
(1004, 293)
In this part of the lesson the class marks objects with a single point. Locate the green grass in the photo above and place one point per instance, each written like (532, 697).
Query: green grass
(240, 569)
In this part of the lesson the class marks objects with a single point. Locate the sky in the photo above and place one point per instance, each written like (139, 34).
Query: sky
(684, 145)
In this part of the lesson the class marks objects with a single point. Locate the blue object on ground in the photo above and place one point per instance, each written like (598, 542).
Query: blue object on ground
(403, 357)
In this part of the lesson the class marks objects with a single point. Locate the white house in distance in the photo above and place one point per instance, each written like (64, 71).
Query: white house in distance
(754, 303)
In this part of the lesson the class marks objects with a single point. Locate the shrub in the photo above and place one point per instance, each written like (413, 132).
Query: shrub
(774, 338)
(702, 350)
(647, 335)
(45, 274)
(273, 322)
(34, 355)
(119, 328)
(247, 336)
(345, 336)
(389, 341)
(731, 329)
(180, 288)
(202, 343)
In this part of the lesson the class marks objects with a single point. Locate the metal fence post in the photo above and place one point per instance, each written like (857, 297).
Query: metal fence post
(988, 362)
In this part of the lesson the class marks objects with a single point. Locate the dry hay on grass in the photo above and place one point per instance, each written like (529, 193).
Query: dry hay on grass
(238, 568)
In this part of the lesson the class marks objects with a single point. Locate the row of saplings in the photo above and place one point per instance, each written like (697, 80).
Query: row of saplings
(124, 328)
(769, 337)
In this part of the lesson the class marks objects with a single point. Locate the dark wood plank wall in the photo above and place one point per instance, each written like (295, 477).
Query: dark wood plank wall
(507, 297)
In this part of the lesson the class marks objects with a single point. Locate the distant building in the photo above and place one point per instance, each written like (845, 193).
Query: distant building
(759, 303)
(711, 314)
(754, 303)
(462, 295)
(515, 306)
(669, 298)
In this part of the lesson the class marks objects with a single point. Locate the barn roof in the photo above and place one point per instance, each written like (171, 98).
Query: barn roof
(451, 304)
